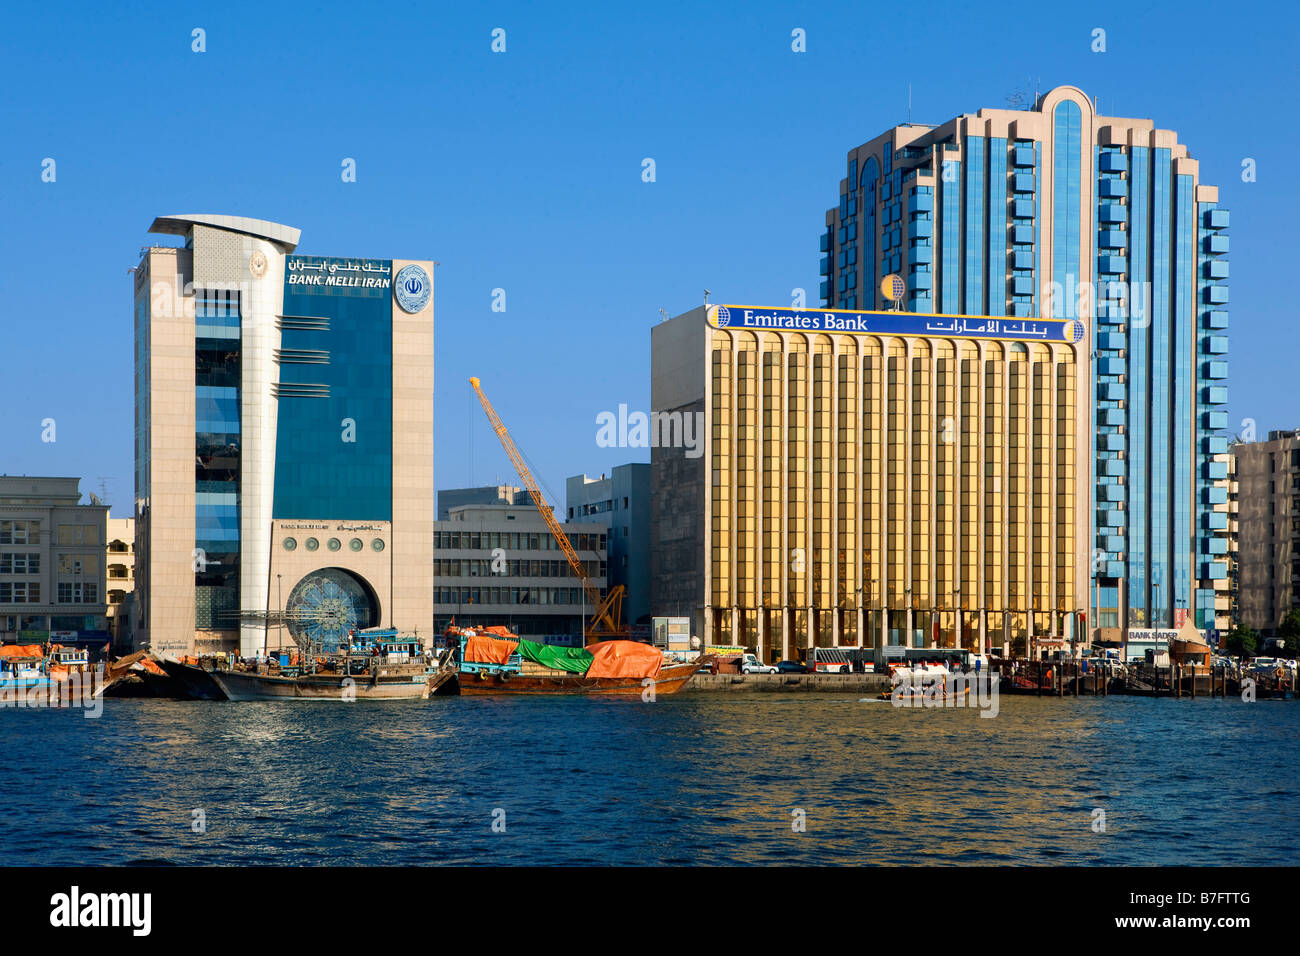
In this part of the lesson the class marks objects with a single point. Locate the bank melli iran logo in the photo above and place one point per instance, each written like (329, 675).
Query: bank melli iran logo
(413, 288)
(75, 909)
(1074, 331)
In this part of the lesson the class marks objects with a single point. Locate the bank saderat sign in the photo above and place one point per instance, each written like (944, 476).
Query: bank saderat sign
(840, 321)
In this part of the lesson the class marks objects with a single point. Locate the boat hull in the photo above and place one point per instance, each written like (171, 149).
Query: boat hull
(188, 682)
(670, 680)
(240, 685)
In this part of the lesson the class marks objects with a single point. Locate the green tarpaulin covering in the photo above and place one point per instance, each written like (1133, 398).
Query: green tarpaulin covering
(575, 660)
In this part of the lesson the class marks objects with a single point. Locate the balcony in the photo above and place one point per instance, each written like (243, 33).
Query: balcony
(1215, 245)
(1115, 162)
(1215, 219)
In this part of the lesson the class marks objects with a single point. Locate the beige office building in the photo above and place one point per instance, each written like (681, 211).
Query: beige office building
(1267, 539)
(51, 562)
(284, 440)
(869, 479)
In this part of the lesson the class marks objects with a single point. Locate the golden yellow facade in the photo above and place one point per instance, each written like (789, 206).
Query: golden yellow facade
(869, 490)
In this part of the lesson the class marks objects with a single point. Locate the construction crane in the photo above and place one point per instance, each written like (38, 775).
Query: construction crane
(606, 622)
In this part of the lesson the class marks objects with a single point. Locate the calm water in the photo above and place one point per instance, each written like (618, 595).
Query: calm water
(689, 779)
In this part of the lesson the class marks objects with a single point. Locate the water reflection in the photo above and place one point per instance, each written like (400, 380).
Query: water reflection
(688, 779)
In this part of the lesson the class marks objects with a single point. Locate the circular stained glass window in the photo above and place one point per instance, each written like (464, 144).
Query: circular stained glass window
(333, 544)
(312, 544)
(355, 544)
(377, 544)
(325, 605)
(290, 544)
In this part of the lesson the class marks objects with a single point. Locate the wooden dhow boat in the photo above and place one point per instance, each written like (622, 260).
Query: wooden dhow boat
(493, 660)
(376, 665)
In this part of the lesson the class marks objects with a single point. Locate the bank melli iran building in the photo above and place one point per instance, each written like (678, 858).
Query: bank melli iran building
(284, 440)
(871, 479)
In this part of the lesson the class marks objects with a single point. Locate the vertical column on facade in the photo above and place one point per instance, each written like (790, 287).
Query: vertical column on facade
(783, 500)
(1040, 484)
(847, 499)
(872, 431)
(1015, 485)
(769, 515)
(944, 572)
(747, 480)
(796, 555)
(720, 490)
(994, 567)
(1066, 463)
(831, 597)
(895, 530)
(970, 597)
(922, 474)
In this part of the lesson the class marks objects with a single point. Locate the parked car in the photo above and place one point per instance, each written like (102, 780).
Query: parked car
(749, 664)
(790, 667)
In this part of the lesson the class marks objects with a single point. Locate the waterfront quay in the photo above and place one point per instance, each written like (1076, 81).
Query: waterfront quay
(1035, 678)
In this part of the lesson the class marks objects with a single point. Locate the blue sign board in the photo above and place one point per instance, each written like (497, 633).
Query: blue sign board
(840, 321)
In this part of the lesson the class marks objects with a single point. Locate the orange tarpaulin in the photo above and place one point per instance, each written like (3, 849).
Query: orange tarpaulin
(488, 650)
(148, 665)
(9, 651)
(59, 672)
(624, 659)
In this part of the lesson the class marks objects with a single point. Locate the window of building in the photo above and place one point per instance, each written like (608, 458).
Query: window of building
(20, 592)
(20, 532)
(73, 534)
(78, 592)
(20, 562)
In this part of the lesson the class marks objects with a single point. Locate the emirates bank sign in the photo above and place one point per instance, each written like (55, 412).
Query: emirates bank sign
(894, 323)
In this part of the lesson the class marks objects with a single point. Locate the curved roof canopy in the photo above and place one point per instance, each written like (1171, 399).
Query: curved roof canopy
(285, 236)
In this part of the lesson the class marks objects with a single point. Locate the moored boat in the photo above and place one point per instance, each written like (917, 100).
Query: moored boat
(495, 661)
(188, 679)
(377, 665)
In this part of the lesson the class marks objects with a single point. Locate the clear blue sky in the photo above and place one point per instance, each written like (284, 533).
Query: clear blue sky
(523, 171)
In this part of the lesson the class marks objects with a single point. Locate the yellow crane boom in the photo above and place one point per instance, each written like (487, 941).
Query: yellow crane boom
(605, 621)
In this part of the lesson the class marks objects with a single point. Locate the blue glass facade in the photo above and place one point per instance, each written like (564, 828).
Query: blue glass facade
(976, 241)
(1183, 386)
(950, 275)
(217, 370)
(334, 436)
(1065, 208)
(1212, 370)
(1138, 318)
(996, 207)
(973, 243)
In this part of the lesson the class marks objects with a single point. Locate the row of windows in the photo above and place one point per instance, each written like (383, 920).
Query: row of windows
(476, 568)
(20, 532)
(516, 540)
(21, 562)
(78, 592)
(522, 596)
(333, 544)
(29, 562)
(20, 592)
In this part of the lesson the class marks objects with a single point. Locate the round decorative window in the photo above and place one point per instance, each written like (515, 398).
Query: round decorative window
(326, 605)
(377, 544)
(333, 544)
(312, 544)
(355, 544)
(290, 544)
